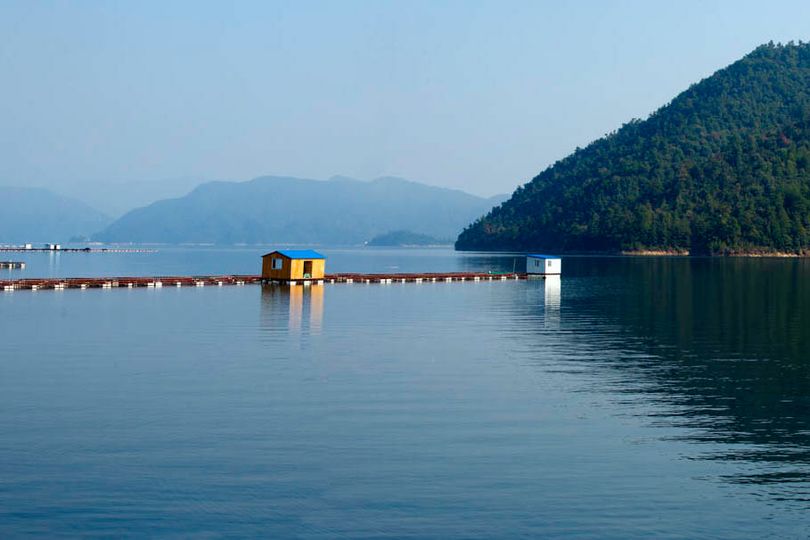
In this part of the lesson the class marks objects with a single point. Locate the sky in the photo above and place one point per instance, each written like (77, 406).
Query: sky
(475, 95)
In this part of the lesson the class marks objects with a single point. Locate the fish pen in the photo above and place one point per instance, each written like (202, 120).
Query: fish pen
(58, 283)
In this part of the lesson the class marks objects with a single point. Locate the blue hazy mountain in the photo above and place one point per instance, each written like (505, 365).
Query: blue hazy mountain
(39, 215)
(406, 238)
(295, 210)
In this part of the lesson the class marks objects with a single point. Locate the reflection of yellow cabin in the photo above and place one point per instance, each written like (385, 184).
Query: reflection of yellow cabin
(293, 264)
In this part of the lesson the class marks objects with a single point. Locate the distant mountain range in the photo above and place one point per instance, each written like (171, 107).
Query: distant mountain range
(116, 198)
(406, 238)
(285, 210)
(38, 215)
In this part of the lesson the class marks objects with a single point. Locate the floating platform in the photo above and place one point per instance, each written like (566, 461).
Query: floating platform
(12, 265)
(35, 284)
(401, 278)
(20, 249)
(124, 282)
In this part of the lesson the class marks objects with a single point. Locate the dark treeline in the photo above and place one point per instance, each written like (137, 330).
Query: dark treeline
(724, 168)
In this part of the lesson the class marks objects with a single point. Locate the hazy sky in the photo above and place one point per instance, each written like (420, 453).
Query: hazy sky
(473, 95)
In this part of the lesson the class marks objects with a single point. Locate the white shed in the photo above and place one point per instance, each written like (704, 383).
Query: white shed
(545, 265)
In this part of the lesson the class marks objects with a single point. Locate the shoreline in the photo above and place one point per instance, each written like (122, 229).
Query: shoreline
(746, 254)
(656, 253)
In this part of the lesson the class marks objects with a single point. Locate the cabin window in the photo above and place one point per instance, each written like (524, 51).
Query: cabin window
(549, 264)
(278, 264)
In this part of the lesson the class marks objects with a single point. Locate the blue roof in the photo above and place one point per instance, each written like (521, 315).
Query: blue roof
(535, 256)
(298, 254)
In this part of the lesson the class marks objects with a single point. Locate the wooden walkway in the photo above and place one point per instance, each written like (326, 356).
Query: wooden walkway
(34, 284)
(420, 278)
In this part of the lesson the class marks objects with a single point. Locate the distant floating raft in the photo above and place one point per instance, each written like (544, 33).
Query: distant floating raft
(12, 265)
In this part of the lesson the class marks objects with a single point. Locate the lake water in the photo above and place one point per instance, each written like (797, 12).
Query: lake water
(633, 398)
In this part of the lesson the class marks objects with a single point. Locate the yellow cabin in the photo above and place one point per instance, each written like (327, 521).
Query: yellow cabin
(293, 265)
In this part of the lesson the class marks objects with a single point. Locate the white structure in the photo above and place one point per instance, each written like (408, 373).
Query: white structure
(543, 265)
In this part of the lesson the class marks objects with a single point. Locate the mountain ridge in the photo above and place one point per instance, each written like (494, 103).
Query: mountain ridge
(723, 168)
(35, 214)
(285, 209)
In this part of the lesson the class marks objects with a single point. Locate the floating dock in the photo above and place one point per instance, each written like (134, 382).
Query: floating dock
(12, 265)
(406, 278)
(19, 249)
(35, 284)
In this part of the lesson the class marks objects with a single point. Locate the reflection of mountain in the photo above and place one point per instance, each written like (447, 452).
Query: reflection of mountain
(723, 345)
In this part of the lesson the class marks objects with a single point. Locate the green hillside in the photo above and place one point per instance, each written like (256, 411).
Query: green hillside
(724, 168)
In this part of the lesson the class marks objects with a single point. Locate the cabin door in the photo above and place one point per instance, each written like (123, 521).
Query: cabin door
(307, 269)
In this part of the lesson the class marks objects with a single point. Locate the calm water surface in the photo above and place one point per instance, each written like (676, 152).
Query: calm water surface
(634, 398)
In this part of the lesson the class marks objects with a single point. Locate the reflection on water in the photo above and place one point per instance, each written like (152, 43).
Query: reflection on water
(619, 401)
(293, 308)
(726, 343)
(552, 286)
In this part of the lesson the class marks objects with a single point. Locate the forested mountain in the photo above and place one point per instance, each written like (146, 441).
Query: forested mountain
(723, 168)
(299, 211)
(37, 215)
